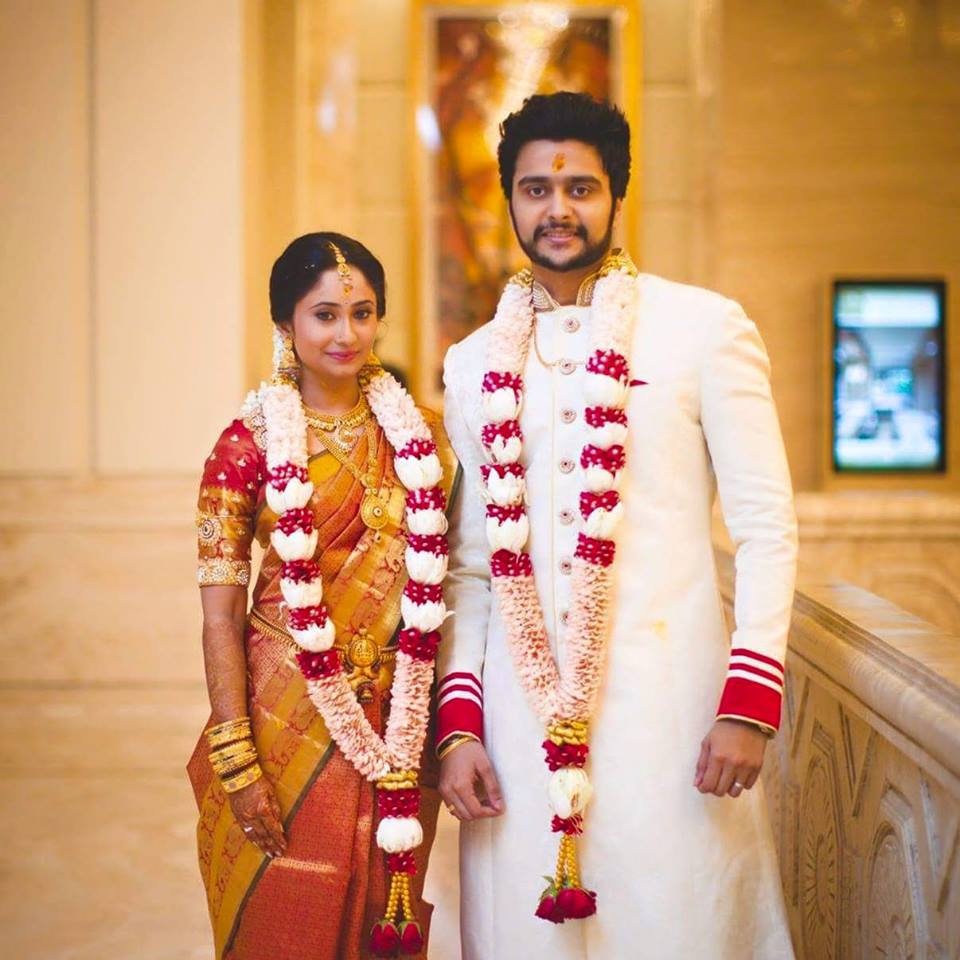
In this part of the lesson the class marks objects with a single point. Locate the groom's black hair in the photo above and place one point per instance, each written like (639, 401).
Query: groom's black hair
(568, 116)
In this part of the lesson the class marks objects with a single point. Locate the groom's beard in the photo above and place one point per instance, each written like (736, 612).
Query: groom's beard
(591, 253)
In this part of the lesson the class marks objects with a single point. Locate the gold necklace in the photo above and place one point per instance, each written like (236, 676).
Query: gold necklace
(373, 509)
(567, 366)
(341, 429)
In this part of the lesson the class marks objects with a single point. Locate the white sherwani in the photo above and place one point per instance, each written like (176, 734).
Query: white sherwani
(678, 874)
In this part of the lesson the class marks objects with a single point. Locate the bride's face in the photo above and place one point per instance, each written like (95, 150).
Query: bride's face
(334, 329)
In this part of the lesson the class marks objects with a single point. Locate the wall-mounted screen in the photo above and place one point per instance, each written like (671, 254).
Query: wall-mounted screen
(888, 375)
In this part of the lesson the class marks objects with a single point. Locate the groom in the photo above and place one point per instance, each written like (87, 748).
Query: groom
(597, 394)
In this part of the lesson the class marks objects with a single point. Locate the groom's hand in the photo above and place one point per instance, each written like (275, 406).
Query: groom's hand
(468, 784)
(731, 756)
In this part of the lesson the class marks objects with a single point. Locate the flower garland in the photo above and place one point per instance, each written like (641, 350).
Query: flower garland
(392, 761)
(563, 697)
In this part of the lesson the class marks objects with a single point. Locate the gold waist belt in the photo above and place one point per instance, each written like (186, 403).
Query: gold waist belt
(369, 667)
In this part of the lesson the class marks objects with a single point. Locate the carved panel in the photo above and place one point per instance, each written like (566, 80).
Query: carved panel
(820, 860)
(890, 927)
(868, 759)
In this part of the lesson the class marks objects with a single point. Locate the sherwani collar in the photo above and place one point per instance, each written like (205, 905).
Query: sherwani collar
(543, 301)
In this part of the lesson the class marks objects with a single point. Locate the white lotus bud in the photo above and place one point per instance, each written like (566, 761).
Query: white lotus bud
(302, 593)
(603, 391)
(418, 473)
(506, 449)
(508, 534)
(294, 546)
(601, 524)
(501, 405)
(397, 834)
(425, 567)
(296, 494)
(422, 616)
(426, 522)
(316, 638)
(570, 791)
(599, 480)
(506, 491)
(609, 435)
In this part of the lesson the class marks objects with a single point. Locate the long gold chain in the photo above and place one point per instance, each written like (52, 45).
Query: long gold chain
(373, 510)
(550, 364)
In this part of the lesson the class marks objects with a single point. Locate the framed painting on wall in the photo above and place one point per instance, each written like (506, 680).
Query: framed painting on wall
(473, 64)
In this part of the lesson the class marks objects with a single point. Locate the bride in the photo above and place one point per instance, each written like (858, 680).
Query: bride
(315, 822)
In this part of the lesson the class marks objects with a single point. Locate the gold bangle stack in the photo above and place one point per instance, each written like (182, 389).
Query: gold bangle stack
(233, 754)
(229, 731)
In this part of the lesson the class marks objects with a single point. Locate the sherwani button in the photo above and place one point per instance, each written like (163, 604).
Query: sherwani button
(566, 566)
(567, 366)
(565, 617)
(571, 324)
(566, 466)
(567, 415)
(566, 517)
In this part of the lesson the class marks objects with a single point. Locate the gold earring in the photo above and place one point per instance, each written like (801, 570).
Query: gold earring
(286, 365)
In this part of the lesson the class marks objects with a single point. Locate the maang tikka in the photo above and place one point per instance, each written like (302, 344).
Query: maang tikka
(343, 268)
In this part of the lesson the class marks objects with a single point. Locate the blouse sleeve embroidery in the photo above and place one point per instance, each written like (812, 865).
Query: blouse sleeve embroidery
(232, 477)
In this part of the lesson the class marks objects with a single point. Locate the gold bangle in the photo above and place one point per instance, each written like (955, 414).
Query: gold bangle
(228, 731)
(232, 749)
(223, 767)
(454, 741)
(241, 780)
(227, 724)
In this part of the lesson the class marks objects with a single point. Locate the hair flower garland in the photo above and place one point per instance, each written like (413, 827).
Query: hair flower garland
(391, 761)
(563, 696)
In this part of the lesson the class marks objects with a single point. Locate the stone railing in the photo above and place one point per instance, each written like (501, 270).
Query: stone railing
(863, 781)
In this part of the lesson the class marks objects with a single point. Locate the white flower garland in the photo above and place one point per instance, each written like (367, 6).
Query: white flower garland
(390, 761)
(563, 697)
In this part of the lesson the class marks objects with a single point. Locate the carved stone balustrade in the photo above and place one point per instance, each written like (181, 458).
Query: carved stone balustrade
(863, 780)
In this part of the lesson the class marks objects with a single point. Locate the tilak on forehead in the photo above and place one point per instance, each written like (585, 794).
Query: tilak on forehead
(559, 162)
(343, 268)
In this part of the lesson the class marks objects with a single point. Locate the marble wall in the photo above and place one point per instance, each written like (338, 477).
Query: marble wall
(154, 159)
(836, 153)
(123, 210)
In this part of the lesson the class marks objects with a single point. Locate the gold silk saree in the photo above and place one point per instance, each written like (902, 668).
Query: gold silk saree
(318, 901)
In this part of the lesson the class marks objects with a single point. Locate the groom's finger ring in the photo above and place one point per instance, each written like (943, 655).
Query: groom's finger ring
(738, 785)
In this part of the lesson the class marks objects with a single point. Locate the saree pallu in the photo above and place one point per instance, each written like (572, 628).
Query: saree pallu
(321, 898)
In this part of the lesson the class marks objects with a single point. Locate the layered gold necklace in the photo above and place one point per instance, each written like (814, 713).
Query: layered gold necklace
(342, 429)
(339, 435)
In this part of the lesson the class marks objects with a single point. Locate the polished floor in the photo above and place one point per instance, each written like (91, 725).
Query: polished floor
(98, 855)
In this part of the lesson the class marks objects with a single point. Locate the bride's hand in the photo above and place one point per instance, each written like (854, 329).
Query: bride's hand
(257, 811)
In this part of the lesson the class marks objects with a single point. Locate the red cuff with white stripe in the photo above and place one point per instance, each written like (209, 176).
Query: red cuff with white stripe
(459, 706)
(754, 688)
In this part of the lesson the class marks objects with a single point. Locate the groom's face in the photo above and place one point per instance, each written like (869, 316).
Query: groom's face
(562, 208)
